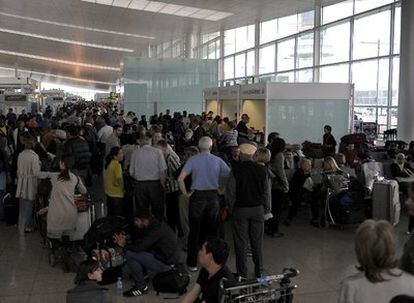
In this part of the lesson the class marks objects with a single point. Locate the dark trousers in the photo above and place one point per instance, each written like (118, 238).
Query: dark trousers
(277, 205)
(248, 225)
(150, 195)
(410, 223)
(115, 206)
(204, 208)
(306, 197)
(140, 261)
(171, 211)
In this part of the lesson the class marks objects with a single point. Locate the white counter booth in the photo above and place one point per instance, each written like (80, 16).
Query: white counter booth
(298, 111)
(222, 101)
(17, 103)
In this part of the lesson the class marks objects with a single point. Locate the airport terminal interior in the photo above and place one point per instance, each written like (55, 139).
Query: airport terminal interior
(207, 151)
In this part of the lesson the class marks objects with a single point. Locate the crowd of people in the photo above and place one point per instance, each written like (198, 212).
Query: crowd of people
(180, 176)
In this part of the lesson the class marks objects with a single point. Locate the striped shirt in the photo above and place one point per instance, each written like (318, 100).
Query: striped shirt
(173, 164)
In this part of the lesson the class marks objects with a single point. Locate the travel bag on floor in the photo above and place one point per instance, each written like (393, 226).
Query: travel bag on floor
(11, 205)
(174, 281)
(386, 201)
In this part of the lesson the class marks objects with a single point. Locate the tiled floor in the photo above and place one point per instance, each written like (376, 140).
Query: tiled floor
(324, 257)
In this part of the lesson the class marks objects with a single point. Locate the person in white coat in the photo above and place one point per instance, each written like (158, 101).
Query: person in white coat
(28, 167)
(62, 212)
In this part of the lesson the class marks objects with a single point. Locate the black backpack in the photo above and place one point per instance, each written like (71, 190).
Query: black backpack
(102, 231)
(173, 281)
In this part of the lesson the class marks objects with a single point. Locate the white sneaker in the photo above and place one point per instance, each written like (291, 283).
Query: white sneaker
(192, 269)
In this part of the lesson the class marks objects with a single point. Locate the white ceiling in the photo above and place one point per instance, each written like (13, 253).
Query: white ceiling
(62, 31)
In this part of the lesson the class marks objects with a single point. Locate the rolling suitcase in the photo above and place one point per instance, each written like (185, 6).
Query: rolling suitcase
(386, 201)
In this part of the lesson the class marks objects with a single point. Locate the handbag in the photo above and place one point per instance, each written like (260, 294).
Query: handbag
(82, 201)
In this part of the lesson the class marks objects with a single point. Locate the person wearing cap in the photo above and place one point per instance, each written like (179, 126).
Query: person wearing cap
(156, 251)
(247, 195)
(206, 171)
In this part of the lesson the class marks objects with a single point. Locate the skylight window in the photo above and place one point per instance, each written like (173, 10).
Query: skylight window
(165, 8)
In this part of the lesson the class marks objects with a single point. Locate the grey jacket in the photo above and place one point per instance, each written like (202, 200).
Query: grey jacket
(280, 181)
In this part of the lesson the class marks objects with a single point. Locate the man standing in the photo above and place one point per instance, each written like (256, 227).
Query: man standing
(243, 130)
(206, 171)
(148, 168)
(77, 146)
(248, 197)
(329, 142)
(114, 139)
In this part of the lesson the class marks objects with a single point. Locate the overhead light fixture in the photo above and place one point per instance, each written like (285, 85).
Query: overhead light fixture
(76, 26)
(120, 49)
(166, 8)
(37, 57)
(59, 76)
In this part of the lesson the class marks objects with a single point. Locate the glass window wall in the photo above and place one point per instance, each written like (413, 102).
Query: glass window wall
(335, 43)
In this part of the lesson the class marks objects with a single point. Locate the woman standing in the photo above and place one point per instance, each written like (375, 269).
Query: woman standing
(28, 167)
(280, 185)
(62, 213)
(114, 182)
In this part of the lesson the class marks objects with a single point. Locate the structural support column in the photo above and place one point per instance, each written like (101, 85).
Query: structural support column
(406, 88)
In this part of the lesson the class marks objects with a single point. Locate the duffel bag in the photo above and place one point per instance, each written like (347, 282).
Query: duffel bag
(174, 281)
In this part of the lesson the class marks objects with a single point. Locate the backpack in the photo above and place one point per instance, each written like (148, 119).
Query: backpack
(102, 231)
(173, 281)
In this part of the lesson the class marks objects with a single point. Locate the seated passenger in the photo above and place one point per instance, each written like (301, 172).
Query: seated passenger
(156, 251)
(212, 257)
(301, 189)
(401, 168)
(351, 156)
(87, 290)
(379, 279)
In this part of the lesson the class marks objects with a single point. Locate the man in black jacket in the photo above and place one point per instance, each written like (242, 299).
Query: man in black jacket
(79, 147)
(247, 194)
(156, 251)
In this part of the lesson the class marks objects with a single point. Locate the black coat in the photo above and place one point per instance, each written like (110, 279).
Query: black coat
(160, 240)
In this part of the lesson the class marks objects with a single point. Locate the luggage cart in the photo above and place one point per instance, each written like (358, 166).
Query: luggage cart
(272, 289)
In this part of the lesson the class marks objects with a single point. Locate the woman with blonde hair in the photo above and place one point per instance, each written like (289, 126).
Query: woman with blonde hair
(379, 279)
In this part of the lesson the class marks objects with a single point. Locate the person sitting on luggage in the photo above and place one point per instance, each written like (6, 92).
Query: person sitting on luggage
(87, 290)
(401, 168)
(379, 279)
(212, 257)
(302, 189)
(156, 251)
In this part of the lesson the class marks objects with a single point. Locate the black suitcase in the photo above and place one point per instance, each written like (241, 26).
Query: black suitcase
(11, 205)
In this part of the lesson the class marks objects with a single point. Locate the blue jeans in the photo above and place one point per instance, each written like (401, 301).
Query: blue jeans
(26, 214)
(138, 261)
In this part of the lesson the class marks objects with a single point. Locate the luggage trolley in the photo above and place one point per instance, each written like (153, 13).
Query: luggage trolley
(273, 289)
